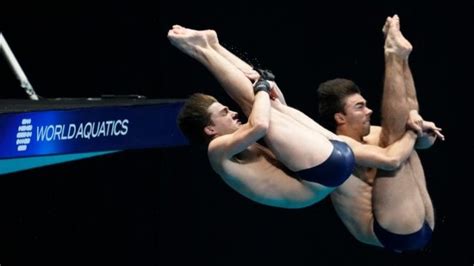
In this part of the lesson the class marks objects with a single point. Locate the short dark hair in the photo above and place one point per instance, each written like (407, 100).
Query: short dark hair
(194, 117)
(332, 96)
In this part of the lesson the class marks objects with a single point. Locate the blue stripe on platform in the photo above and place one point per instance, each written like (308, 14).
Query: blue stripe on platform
(19, 164)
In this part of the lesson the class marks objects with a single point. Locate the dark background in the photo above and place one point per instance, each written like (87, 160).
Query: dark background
(166, 206)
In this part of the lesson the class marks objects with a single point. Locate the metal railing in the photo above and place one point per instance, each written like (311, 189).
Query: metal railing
(15, 66)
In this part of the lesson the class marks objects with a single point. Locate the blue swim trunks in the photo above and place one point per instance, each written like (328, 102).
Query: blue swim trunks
(397, 242)
(335, 170)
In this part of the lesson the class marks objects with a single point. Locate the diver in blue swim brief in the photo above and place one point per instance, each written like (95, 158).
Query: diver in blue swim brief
(258, 172)
(385, 202)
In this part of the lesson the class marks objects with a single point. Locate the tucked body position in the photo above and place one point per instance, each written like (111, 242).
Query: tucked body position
(301, 162)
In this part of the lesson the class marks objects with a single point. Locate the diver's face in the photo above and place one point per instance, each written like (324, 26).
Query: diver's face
(223, 120)
(357, 114)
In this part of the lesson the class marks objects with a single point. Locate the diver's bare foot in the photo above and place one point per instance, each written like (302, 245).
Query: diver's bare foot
(211, 36)
(395, 42)
(187, 40)
(386, 26)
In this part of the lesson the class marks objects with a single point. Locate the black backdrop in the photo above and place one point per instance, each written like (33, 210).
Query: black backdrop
(166, 206)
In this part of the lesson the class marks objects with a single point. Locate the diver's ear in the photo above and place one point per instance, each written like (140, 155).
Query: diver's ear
(340, 118)
(209, 130)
